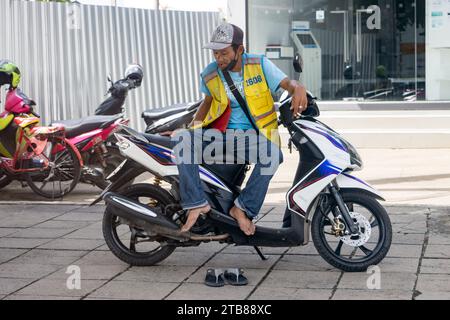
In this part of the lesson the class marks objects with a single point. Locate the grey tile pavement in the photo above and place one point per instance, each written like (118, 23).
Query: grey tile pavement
(38, 245)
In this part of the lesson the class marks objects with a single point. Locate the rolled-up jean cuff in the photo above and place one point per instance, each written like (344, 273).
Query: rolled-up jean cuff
(239, 204)
(195, 205)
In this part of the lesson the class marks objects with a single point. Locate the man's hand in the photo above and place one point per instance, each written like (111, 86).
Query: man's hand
(298, 93)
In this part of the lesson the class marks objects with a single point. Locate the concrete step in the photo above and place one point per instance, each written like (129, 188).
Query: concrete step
(399, 139)
(399, 129)
(378, 120)
(391, 138)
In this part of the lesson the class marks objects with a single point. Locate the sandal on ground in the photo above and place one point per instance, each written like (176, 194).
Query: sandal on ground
(235, 277)
(214, 278)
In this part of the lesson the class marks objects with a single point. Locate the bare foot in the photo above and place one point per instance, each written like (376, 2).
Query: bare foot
(193, 215)
(246, 225)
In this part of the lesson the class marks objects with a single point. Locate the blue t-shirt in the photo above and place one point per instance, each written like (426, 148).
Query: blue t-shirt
(238, 119)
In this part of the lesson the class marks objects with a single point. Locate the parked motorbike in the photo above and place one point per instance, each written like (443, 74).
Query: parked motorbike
(93, 135)
(42, 156)
(170, 118)
(349, 227)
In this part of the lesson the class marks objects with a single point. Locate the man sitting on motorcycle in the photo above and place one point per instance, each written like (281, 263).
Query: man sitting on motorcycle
(249, 107)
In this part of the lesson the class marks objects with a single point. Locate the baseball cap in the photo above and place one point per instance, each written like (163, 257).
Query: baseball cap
(224, 36)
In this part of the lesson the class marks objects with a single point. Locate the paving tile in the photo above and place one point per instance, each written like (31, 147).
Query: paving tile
(57, 224)
(435, 266)
(267, 293)
(91, 272)
(405, 251)
(134, 290)
(157, 274)
(245, 261)
(303, 263)
(404, 265)
(193, 291)
(80, 216)
(58, 287)
(7, 231)
(39, 297)
(8, 254)
(8, 286)
(72, 244)
(22, 243)
(408, 238)
(26, 271)
(433, 283)
(303, 280)
(388, 281)
(86, 233)
(51, 257)
(38, 233)
(434, 295)
(437, 251)
(349, 294)
(105, 258)
(186, 259)
(436, 239)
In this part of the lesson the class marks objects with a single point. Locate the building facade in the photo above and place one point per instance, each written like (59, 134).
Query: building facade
(355, 50)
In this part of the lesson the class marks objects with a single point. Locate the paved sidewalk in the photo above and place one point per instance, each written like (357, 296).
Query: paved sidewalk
(40, 240)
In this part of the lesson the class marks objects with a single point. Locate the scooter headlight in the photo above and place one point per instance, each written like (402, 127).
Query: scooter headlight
(355, 159)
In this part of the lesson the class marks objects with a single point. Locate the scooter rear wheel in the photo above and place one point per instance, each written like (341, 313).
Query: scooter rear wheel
(130, 244)
(359, 252)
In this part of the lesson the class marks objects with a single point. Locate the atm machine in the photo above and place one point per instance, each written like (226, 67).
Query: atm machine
(311, 53)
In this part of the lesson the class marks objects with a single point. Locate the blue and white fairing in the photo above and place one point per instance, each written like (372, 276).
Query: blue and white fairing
(159, 159)
(338, 156)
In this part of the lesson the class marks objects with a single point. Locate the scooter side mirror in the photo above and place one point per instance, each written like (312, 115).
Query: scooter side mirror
(298, 63)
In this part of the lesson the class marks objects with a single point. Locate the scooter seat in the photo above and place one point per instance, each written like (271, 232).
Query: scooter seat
(233, 174)
(155, 114)
(164, 141)
(77, 127)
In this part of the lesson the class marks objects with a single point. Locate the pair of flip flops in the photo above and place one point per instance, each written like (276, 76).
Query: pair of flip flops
(220, 277)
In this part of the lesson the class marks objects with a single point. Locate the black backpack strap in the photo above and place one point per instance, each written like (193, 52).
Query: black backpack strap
(239, 98)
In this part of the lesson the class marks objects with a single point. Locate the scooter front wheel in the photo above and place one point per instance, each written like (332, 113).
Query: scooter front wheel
(358, 252)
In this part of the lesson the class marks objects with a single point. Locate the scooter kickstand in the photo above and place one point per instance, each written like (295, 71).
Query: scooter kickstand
(261, 255)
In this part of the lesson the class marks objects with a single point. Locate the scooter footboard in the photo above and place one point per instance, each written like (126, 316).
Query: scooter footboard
(264, 237)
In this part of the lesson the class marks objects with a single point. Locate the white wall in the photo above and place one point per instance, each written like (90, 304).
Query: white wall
(236, 14)
(438, 50)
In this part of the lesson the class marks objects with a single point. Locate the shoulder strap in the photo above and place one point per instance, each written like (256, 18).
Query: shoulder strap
(239, 98)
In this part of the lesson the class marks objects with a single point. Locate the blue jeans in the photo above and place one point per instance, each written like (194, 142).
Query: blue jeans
(249, 147)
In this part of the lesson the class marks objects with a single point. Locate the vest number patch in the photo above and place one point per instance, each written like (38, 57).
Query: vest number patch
(254, 80)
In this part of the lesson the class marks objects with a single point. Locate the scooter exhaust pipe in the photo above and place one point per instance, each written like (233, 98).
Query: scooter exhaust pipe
(143, 217)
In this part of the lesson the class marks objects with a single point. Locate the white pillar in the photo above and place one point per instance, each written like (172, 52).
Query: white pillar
(236, 14)
(437, 50)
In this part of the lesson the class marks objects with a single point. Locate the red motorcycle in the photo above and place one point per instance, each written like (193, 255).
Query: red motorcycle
(90, 136)
(94, 135)
(41, 156)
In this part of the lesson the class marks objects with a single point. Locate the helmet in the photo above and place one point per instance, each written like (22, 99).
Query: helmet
(9, 73)
(348, 72)
(135, 72)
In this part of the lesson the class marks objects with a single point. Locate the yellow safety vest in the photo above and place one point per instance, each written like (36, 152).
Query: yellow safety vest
(258, 96)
